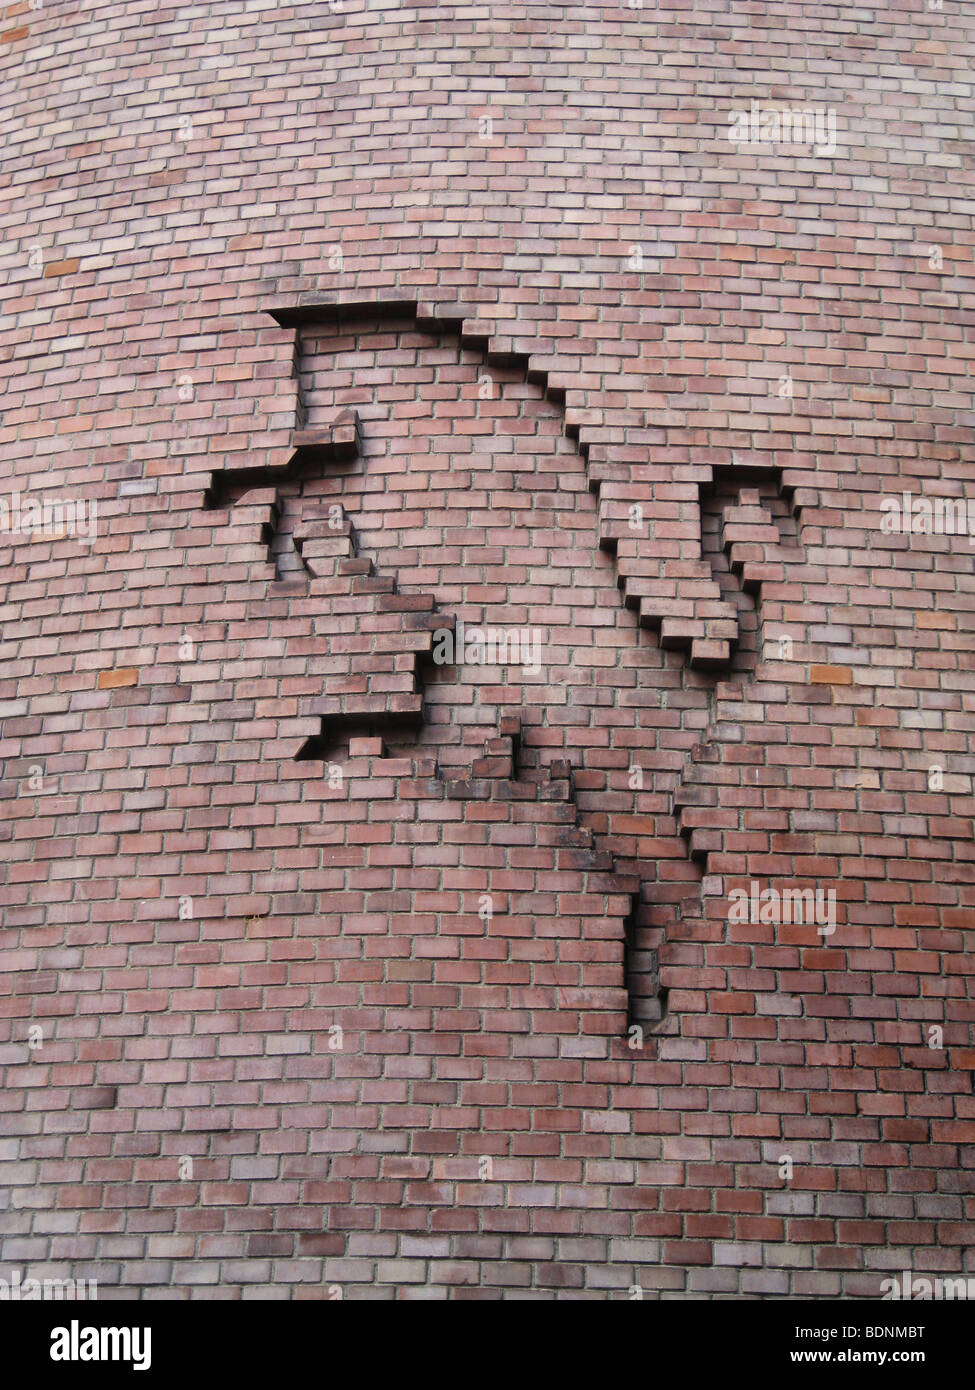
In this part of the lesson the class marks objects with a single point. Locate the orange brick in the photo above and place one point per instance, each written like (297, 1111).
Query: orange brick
(112, 680)
(830, 675)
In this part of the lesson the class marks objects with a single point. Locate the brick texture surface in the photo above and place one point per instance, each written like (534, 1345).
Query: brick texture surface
(333, 967)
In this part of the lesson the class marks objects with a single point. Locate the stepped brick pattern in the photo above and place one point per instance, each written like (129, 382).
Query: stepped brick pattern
(487, 685)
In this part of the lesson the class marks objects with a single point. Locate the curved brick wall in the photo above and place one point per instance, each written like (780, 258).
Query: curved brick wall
(332, 965)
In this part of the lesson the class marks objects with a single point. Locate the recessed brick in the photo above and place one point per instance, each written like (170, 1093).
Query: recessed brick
(95, 1098)
(113, 680)
(366, 748)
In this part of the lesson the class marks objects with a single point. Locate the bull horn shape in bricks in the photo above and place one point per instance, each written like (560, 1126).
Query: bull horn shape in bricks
(662, 574)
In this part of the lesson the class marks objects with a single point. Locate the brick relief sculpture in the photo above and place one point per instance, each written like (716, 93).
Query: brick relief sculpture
(382, 690)
(486, 704)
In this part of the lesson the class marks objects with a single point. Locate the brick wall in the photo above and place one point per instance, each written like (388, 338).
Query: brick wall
(330, 965)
